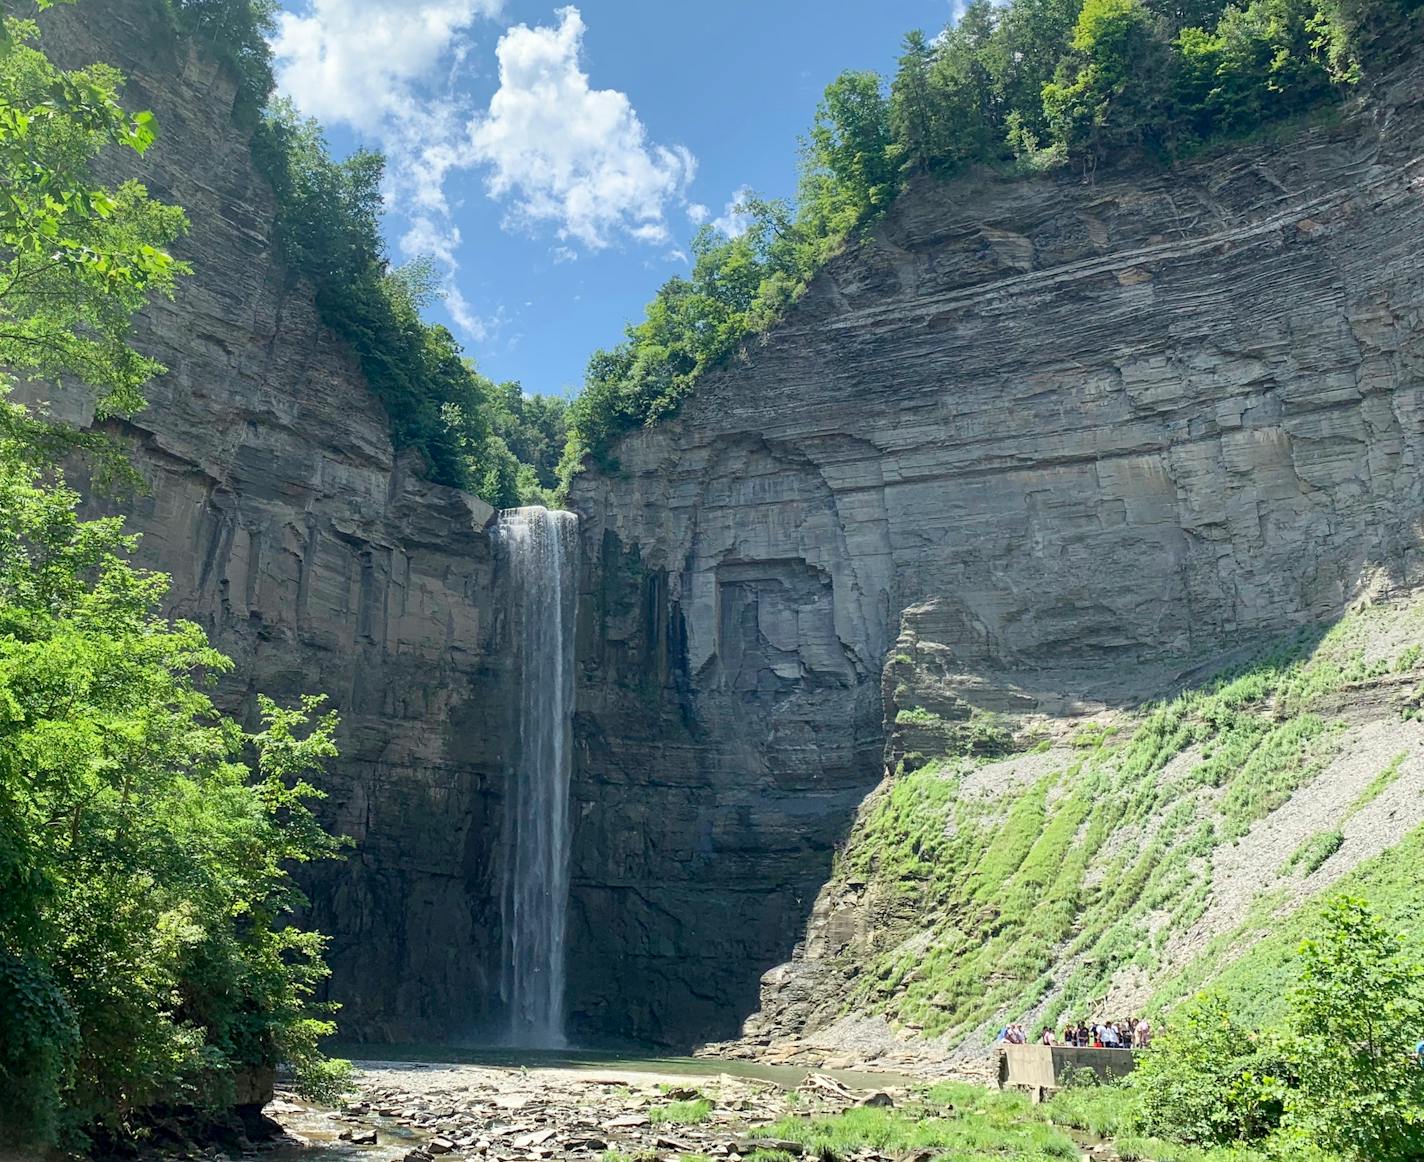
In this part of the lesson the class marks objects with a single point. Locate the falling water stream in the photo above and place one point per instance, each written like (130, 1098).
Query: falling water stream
(539, 548)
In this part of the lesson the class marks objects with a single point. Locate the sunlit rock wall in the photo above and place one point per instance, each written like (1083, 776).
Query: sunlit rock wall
(1071, 433)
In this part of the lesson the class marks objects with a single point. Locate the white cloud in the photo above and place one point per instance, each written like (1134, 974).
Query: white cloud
(697, 213)
(562, 152)
(735, 218)
(356, 61)
(391, 72)
(476, 326)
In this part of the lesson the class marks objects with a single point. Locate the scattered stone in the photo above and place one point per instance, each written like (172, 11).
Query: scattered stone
(627, 1122)
(364, 1138)
(771, 1145)
(439, 1145)
(527, 1141)
(878, 1100)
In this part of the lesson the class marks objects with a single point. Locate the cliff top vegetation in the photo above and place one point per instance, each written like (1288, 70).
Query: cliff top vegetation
(1027, 86)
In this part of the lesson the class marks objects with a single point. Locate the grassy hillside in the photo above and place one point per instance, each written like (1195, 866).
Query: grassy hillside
(1145, 855)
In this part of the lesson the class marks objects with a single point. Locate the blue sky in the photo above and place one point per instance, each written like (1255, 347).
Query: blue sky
(555, 160)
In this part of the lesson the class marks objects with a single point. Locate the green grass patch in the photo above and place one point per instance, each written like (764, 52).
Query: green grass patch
(966, 1122)
(1048, 891)
(681, 1113)
(969, 1124)
(1314, 852)
(1377, 786)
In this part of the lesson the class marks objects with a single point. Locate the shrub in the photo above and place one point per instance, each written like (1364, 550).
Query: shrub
(1338, 1078)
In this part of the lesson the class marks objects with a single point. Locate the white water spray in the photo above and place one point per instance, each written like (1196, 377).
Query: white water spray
(540, 551)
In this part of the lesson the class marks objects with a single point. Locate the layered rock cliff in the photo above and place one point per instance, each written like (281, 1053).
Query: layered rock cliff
(1065, 440)
(315, 557)
(1034, 450)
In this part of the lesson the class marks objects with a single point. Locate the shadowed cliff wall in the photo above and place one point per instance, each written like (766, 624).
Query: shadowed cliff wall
(315, 558)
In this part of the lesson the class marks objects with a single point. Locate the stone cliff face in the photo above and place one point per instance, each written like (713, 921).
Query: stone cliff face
(1064, 440)
(1055, 442)
(317, 559)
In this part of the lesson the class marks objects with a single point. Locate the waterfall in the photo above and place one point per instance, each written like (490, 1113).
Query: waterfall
(539, 548)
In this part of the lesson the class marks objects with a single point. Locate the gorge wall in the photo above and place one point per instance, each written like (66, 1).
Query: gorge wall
(1063, 440)
(316, 558)
(1059, 442)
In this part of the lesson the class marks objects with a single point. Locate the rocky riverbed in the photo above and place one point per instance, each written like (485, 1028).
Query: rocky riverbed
(409, 1112)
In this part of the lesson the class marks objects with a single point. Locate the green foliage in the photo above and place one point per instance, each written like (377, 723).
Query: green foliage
(682, 1113)
(1378, 785)
(963, 1121)
(143, 860)
(145, 840)
(534, 428)
(1338, 1077)
(77, 258)
(1314, 852)
(1356, 1013)
(1211, 1079)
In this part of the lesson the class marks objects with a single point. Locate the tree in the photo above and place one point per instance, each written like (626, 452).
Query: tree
(1030, 39)
(914, 114)
(848, 169)
(77, 259)
(1355, 1016)
(145, 840)
(146, 952)
(1339, 1078)
(1209, 1079)
(1110, 93)
(962, 80)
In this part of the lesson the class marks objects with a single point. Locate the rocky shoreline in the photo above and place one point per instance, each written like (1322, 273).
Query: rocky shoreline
(410, 1112)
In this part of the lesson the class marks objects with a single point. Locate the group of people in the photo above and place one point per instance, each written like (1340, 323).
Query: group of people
(1129, 1034)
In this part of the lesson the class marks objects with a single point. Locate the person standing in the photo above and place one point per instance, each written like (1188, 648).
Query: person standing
(1144, 1033)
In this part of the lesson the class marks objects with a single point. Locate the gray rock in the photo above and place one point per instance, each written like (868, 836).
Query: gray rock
(315, 556)
(1055, 442)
